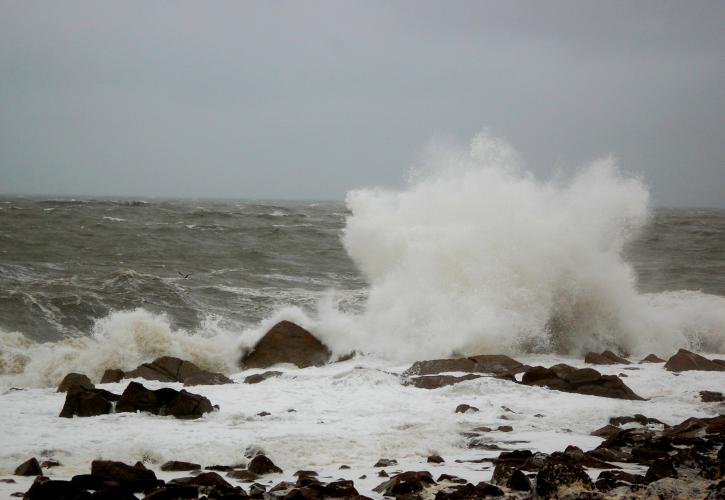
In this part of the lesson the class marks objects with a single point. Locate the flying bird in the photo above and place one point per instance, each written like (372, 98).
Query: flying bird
(185, 276)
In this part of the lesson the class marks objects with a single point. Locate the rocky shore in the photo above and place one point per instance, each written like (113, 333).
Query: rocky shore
(635, 456)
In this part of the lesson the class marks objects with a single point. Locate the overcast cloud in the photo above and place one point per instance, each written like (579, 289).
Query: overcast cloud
(306, 100)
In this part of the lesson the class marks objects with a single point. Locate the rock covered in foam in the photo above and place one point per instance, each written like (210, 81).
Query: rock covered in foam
(588, 381)
(685, 360)
(287, 342)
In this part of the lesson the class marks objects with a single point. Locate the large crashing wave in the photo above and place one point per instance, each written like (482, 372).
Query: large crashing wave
(477, 255)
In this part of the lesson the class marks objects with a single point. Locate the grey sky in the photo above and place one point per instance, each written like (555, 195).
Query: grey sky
(277, 99)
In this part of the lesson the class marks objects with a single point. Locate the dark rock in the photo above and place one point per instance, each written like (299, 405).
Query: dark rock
(166, 401)
(47, 464)
(489, 490)
(174, 492)
(343, 467)
(435, 459)
(75, 380)
(133, 478)
(263, 414)
(246, 476)
(405, 483)
(581, 381)
(386, 462)
(636, 418)
(170, 369)
(652, 359)
(551, 477)
(261, 377)
(83, 402)
(7, 481)
(505, 428)
(305, 473)
(694, 427)
(382, 473)
(112, 375)
(30, 467)
(464, 491)
(605, 358)
(287, 342)
(573, 455)
(610, 479)
(54, 490)
(339, 489)
(482, 429)
(205, 479)
(115, 492)
(711, 397)
(685, 360)
(257, 490)
(451, 479)
(219, 468)
(485, 363)
(464, 408)
(607, 431)
(660, 469)
(262, 465)
(518, 481)
(438, 381)
(175, 465)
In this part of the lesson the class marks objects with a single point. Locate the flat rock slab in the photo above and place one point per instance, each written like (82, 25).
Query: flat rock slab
(170, 369)
(685, 360)
(484, 363)
(588, 381)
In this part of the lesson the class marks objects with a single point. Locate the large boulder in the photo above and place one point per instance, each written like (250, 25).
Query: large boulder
(287, 342)
(685, 360)
(30, 467)
(54, 490)
(75, 380)
(405, 483)
(132, 477)
(112, 375)
(170, 369)
(83, 402)
(262, 465)
(553, 477)
(605, 358)
(652, 358)
(166, 401)
(497, 364)
(566, 378)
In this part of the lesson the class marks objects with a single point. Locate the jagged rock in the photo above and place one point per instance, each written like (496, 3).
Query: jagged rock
(660, 469)
(685, 360)
(170, 369)
(566, 378)
(133, 478)
(287, 342)
(75, 380)
(638, 418)
(605, 432)
(438, 381)
(435, 459)
(605, 358)
(54, 490)
(464, 491)
(261, 377)
(83, 402)
(711, 397)
(518, 481)
(610, 479)
(245, 476)
(30, 467)
(175, 465)
(205, 479)
(484, 363)
(262, 465)
(489, 490)
(386, 462)
(552, 477)
(694, 427)
(405, 483)
(651, 358)
(573, 455)
(112, 375)
(505, 428)
(166, 401)
(464, 408)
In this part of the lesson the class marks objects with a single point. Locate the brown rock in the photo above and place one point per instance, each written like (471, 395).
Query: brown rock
(170, 369)
(205, 479)
(685, 360)
(262, 465)
(175, 465)
(52, 489)
(30, 467)
(605, 358)
(287, 342)
(83, 402)
(438, 381)
(405, 483)
(711, 397)
(134, 478)
(636, 418)
(435, 459)
(651, 358)
(464, 408)
(246, 476)
(552, 477)
(566, 378)
(605, 432)
(261, 377)
(166, 401)
(112, 375)
(75, 380)
(484, 363)
(518, 481)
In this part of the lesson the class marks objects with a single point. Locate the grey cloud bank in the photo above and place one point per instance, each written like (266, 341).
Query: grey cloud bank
(307, 100)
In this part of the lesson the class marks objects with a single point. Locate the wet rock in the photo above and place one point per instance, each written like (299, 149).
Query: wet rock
(262, 465)
(257, 490)
(636, 418)
(695, 427)
(175, 465)
(75, 380)
(451, 479)
(205, 479)
(261, 377)
(112, 375)
(133, 478)
(518, 481)
(605, 358)
(505, 428)
(219, 468)
(464, 491)
(438, 381)
(171, 369)
(382, 473)
(54, 490)
(605, 432)
(47, 464)
(405, 483)
(488, 489)
(386, 462)
(435, 459)
(685, 360)
(166, 401)
(485, 363)
(30, 467)
(246, 476)
(287, 342)
(566, 378)
(660, 469)
(83, 402)
(651, 358)
(573, 455)
(610, 479)
(173, 492)
(552, 477)
(339, 489)
(711, 397)
(305, 473)
(464, 408)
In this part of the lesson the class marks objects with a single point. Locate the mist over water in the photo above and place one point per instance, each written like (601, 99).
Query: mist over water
(475, 255)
